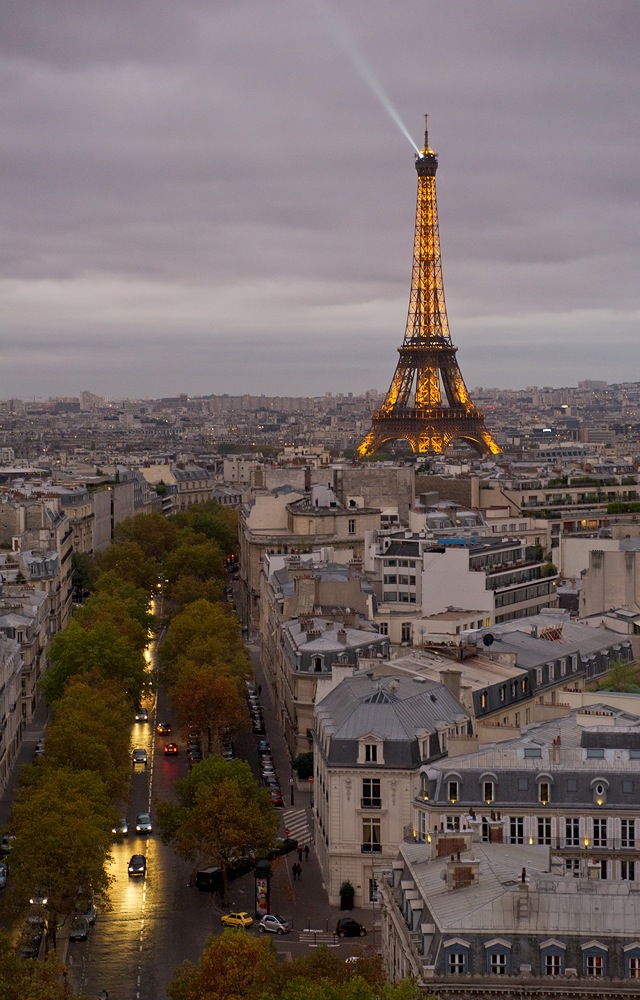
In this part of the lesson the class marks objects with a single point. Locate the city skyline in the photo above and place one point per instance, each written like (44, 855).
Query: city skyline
(215, 200)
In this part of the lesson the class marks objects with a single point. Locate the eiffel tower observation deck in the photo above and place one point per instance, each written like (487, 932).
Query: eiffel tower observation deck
(427, 404)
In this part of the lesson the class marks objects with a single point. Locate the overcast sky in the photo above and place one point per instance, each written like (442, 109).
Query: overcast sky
(207, 196)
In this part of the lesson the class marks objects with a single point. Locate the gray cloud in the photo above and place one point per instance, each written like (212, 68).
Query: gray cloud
(175, 175)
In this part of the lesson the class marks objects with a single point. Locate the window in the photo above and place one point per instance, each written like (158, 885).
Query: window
(627, 833)
(485, 830)
(452, 822)
(599, 833)
(371, 840)
(628, 871)
(483, 700)
(453, 790)
(627, 786)
(383, 628)
(371, 753)
(544, 830)
(374, 896)
(487, 792)
(544, 792)
(573, 865)
(390, 578)
(457, 962)
(516, 829)
(634, 968)
(352, 526)
(497, 963)
(405, 632)
(594, 965)
(371, 793)
(533, 752)
(572, 831)
(595, 753)
(552, 965)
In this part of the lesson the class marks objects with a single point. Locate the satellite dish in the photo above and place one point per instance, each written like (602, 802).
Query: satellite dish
(488, 639)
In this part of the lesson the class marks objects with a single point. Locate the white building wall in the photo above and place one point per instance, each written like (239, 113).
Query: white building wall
(447, 582)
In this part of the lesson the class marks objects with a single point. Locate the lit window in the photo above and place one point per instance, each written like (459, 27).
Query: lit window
(595, 965)
(545, 792)
(453, 791)
(488, 794)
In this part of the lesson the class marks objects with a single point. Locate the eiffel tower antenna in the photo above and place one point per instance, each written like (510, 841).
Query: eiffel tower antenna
(427, 404)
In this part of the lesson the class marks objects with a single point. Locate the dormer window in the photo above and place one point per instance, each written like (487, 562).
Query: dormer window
(453, 791)
(371, 753)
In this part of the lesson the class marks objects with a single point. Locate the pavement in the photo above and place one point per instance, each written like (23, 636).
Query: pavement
(31, 734)
(303, 902)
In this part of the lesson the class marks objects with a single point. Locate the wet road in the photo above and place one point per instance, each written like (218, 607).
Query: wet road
(157, 922)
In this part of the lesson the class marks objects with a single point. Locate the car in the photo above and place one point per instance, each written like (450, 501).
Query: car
(346, 927)
(143, 823)
(142, 715)
(274, 924)
(4, 874)
(6, 844)
(239, 919)
(257, 726)
(264, 746)
(267, 767)
(210, 879)
(276, 798)
(164, 728)
(139, 756)
(121, 828)
(271, 782)
(39, 898)
(227, 753)
(137, 866)
(79, 929)
(282, 845)
(88, 911)
(170, 749)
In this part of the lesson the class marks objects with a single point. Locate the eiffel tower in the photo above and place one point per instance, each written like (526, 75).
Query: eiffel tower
(414, 409)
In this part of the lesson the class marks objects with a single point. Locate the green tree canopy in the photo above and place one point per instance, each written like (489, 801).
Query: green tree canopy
(116, 609)
(130, 563)
(200, 558)
(221, 814)
(621, 676)
(137, 600)
(216, 522)
(205, 633)
(89, 731)
(102, 650)
(153, 533)
(20, 980)
(203, 698)
(62, 821)
(188, 589)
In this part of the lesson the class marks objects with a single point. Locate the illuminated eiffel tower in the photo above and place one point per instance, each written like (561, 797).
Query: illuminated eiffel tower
(427, 374)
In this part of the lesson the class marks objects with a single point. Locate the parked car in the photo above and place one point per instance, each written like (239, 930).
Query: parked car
(237, 919)
(122, 828)
(142, 715)
(346, 927)
(143, 823)
(282, 845)
(6, 844)
(227, 752)
(139, 756)
(4, 874)
(170, 749)
(79, 929)
(88, 911)
(257, 726)
(137, 866)
(210, 879)
(274, 924)
(267, 767)
(264, 746)
(276, 798)
(164, 728)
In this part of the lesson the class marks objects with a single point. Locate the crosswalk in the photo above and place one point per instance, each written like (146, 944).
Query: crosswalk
(296, 825)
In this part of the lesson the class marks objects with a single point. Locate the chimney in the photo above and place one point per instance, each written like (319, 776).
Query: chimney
(342, 636)
(451, 680)
(555, 751)
(461, 873)
(523, 895)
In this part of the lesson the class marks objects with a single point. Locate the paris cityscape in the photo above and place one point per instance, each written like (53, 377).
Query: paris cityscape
(310, 690)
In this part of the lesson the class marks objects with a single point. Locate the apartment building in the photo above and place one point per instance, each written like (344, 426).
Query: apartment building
(372, 735)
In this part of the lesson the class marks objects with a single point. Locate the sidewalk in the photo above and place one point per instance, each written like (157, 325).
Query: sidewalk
(30, 736)
(305, 903)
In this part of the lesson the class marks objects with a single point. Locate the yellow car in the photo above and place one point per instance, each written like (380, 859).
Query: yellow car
(236, 920)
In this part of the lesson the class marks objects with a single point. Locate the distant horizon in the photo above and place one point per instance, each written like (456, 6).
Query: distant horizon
(326, 394)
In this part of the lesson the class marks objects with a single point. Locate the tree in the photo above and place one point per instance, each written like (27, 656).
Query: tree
(62, 823)
(205, 633)
(20, 980)
(221, 815)
(81, 571)
(114, 608)
(621, 676)
(233, 966)
(218, 523)
(303, 764)
(100, 649)
(137, 600)
(89, 731)
(188, 589)
(153, 533)
(128, 560)
(203, 698)
(202, 559)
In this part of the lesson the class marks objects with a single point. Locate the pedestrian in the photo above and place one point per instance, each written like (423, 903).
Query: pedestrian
(299, 867)
(306, 852)
(294, 869)
(299, 854)
(259, 690)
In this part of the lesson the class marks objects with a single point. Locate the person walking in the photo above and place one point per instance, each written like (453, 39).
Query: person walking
(299, 854)
(299, 867)
(306, 852)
